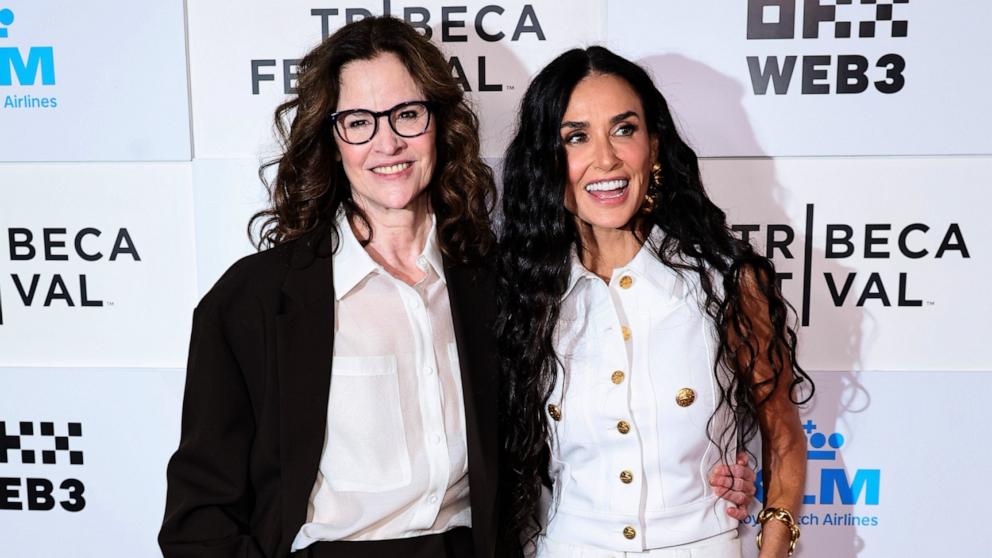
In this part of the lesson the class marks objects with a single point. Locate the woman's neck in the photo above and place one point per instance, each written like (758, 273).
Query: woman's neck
(604, 250)
(398, 239)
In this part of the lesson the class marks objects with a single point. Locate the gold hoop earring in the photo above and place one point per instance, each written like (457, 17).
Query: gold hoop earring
(656, 175)
(654, 190)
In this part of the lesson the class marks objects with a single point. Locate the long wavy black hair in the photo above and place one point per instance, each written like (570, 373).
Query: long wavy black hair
(538, 236)
(310, 183)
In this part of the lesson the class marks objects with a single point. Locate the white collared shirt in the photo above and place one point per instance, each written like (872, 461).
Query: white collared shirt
(394, 463)
(629, 412)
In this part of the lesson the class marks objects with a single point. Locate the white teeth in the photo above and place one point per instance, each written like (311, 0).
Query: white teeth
(391, 169)
(612, 195)
(606, 185)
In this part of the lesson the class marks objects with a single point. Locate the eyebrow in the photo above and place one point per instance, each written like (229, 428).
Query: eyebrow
(623, 116)
(618, 118)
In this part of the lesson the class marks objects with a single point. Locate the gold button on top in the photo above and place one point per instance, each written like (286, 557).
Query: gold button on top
(626, 477)
(629, 532)
(685, 397)
(617, 376)
(626, 281)
(554, 411)
(623, 426)
(626, 332)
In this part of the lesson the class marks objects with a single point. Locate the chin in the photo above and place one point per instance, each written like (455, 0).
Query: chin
(399, 200)
(608, 220)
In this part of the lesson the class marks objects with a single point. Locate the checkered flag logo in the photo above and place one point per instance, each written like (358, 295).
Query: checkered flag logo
(776, 19)
(13, 449)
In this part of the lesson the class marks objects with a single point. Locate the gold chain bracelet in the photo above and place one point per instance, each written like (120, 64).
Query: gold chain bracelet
(783, 515)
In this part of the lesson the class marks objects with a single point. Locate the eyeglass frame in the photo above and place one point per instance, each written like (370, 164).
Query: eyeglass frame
(429, 105)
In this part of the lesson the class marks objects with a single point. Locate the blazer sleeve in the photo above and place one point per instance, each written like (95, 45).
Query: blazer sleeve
(209, 499)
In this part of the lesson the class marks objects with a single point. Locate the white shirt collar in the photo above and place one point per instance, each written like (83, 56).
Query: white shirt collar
(577, 273)
(352, 264)
(432, 251)
(644, 265)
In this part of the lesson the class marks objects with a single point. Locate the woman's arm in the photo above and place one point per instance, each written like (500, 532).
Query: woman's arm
(208, 499)
(783, 441)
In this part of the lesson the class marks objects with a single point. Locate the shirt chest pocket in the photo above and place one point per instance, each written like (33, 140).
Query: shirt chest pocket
(578, 397)
(366, 449)
(681, 360)
(579, 387)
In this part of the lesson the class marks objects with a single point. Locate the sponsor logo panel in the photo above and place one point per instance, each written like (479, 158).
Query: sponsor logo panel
(98, 265)
(83, 453)
(492, 48)
(876, 258)
(815, 77)
(93, 82)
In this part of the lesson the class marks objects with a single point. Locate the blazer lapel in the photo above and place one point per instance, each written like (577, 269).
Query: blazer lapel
(304, 352)
(471, 294)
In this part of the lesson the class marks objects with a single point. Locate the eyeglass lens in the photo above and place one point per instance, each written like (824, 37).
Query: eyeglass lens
(407, 120)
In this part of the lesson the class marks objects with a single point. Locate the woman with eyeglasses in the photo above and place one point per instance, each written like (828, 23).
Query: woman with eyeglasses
(642, 344)
(341, 384)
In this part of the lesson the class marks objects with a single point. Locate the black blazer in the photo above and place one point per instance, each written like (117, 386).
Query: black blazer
(255, 404)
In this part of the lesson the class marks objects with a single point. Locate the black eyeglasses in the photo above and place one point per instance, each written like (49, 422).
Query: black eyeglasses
(358, 126)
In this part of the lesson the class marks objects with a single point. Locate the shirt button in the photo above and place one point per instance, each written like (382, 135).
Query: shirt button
(626, 477)
(436, 438)
(554, 411)
(685, 397)
(626, 281)
(415, 303)
(433, 500)
(623, 426)
(617, 376)
(428, 370)
(629, 532)
(626, 332)
(422, 262)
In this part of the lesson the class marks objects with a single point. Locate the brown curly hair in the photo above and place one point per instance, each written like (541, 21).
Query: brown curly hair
(310, 185)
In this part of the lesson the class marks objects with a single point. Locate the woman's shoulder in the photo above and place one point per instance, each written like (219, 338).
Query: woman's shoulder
(256, 276)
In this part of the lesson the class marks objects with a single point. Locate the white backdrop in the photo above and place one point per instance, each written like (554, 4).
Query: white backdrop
(113, 281)
(715, 61)
(875, 302)
(116, 87)
(872, 203)
(240, 75)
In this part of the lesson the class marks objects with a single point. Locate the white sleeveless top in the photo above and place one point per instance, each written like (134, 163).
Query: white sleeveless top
(630, 452)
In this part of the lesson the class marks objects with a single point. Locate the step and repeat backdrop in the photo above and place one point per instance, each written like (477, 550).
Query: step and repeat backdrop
(847, 139)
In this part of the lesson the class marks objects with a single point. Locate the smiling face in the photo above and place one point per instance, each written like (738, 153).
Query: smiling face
(390, 172)
(609, 152)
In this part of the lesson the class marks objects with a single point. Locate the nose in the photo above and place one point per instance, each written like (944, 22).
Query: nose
(385, 139)
(605, 156)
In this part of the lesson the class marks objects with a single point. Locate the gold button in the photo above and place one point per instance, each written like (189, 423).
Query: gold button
(626, 332)
(626, 477)
(623, 426)
(554, 411)
(626, 281)
(685, 397)
(617, 376)
(629, 532)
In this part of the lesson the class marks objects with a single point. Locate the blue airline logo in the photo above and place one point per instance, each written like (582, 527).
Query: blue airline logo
(835, 487)
(39, 62)
(833, 480)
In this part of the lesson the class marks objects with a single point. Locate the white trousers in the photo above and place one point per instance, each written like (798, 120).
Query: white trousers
(724, 545)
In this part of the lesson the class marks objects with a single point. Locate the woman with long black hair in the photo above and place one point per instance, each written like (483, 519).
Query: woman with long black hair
(642, 343)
